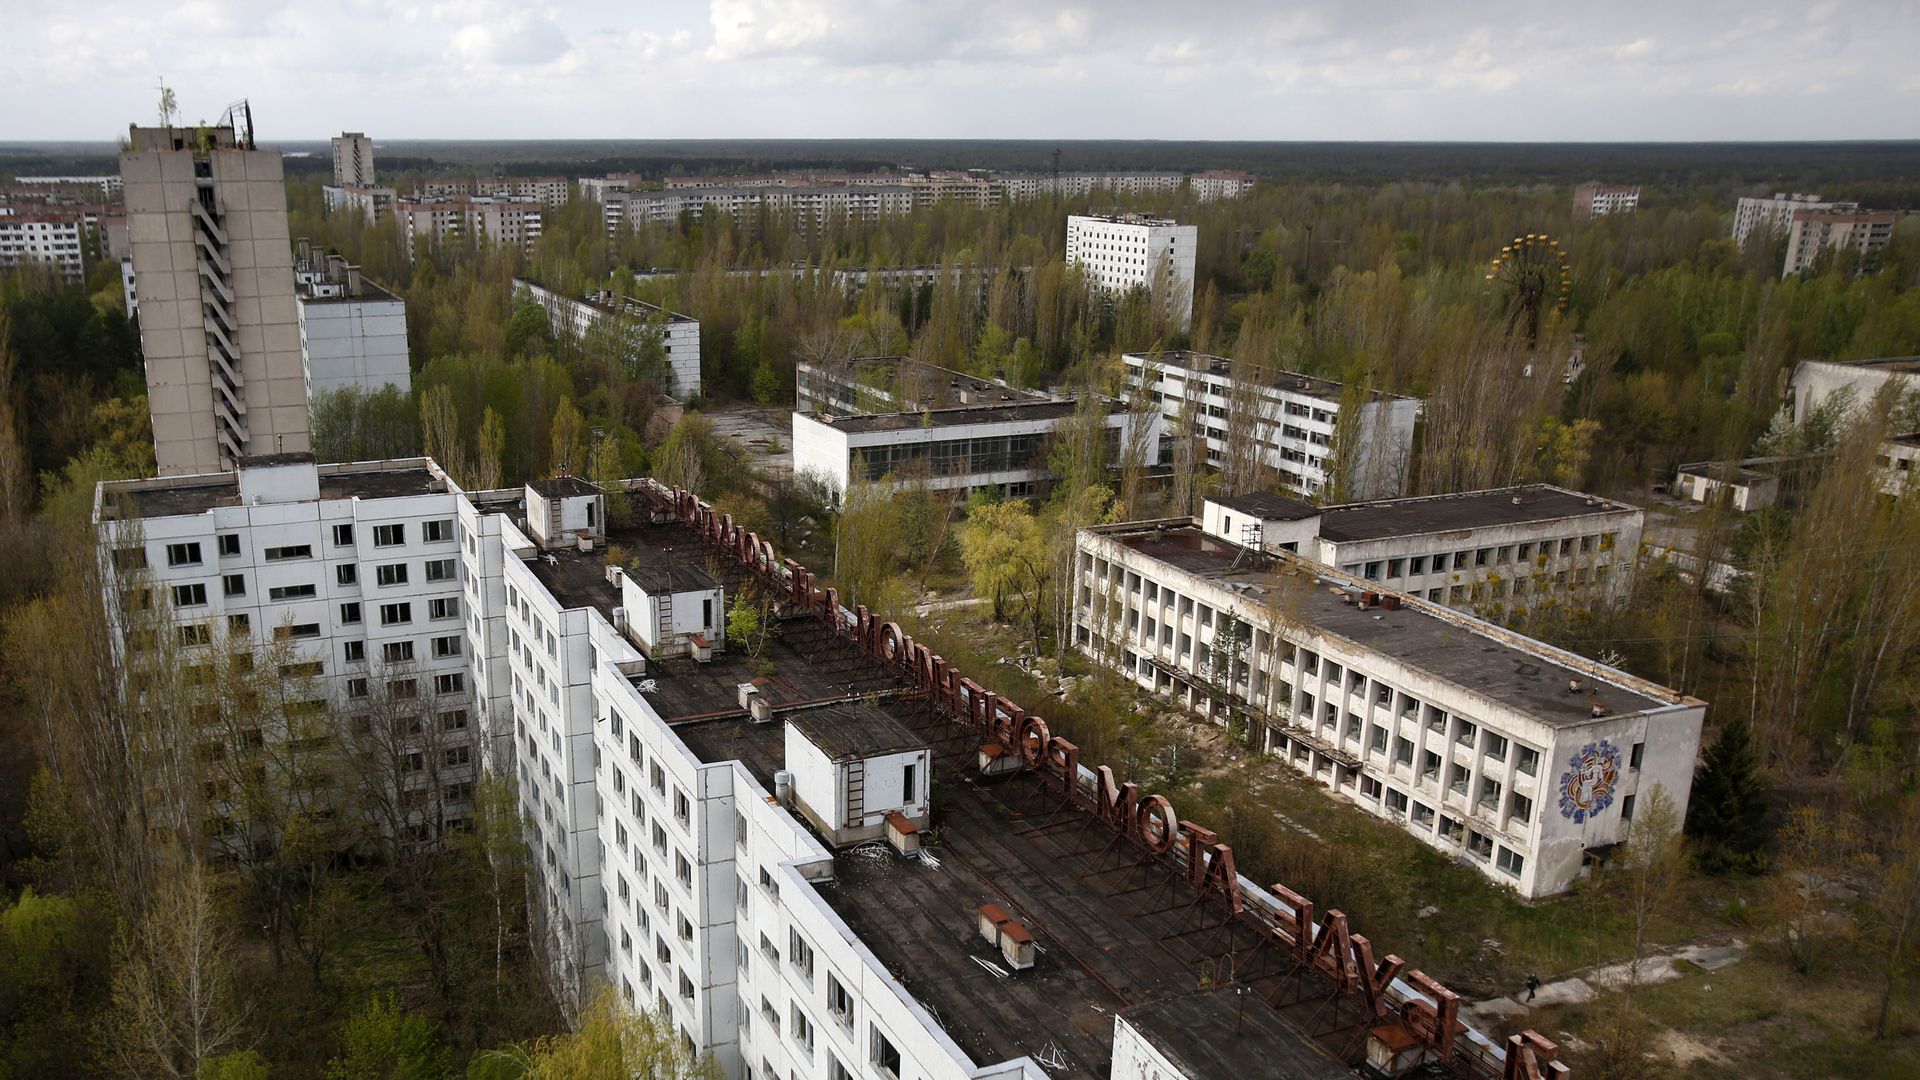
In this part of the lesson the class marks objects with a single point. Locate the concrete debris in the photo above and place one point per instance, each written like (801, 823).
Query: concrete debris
(1427, 912)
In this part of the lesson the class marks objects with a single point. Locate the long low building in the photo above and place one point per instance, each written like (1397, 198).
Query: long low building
(679, 335)
(1498, 552)
(1520, 758)
(1285, 421)
(996, 449)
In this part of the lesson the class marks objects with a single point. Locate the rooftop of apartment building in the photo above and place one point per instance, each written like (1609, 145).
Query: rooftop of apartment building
(1010, 841)
(997, 413)
(1129, 219)
(169, 496)
(1278, 378)
(1501, 666)
(604, 300)
(1518, 505)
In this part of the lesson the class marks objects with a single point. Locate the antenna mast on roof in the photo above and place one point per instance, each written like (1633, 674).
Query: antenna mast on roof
(239, 117)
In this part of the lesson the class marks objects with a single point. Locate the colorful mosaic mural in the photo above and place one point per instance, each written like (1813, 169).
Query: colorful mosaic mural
(1586, 788)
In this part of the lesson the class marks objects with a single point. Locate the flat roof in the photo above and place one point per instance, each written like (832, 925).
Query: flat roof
(941, 383)
(1527, 676)
(1517, 505)
(1268, 506)
(1903, 364)
(998, 413)
(1010, 842)
(562, 487)
(371, 292)
(1277, 378)
(857, 729)
(1208, 1036)
(171, 496)
(668, 575)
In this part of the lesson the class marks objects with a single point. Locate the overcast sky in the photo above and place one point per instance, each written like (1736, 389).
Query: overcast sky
(1201, 69)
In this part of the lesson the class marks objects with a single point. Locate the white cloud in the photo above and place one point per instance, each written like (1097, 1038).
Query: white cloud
(1016, 68)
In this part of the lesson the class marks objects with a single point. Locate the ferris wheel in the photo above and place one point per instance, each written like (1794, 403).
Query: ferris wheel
(1532, 271)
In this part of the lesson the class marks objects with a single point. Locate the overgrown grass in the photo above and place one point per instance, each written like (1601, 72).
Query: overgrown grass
(1755, 1019)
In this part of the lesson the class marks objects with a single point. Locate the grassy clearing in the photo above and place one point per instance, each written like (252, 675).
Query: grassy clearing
(1755, 1019)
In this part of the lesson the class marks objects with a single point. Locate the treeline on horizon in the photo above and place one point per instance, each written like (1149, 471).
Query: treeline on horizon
(1668, 170)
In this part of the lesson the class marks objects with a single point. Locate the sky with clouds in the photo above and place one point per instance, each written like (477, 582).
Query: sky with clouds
(1521, 70)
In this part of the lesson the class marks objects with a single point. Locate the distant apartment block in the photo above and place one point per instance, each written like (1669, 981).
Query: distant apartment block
(1772, 216)
(49, 239)
(353, 333)
(500, 221)
(1119, 252)
(1519, 759)
(1220, 184)
(352, 160)
(1496, 553)
(813, 196)
(108, 187)
(372, 204)
(678, 334)
(213, 269)
(1290, 420)
(1813, 233)
(1598, 200)
(545, 190)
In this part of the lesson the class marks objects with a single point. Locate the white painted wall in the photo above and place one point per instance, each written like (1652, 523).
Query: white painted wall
(354, 343)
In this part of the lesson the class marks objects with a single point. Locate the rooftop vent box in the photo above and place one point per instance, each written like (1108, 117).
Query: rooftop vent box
(853, 767)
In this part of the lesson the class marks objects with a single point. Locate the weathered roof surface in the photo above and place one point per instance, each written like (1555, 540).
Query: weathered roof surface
(657, 575)
(1451, 513)
(854, 730)
(1004, 412)
(1215, 1035)
(1268, 506)
(563, 487)
(1498, 665)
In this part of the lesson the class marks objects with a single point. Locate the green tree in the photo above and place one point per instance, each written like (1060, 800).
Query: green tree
(529, 331)
(54, 971)
(1727, 814)
(383, 1042)
(610, 1043)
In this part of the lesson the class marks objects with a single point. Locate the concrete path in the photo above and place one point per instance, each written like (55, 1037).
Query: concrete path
(1587, 984)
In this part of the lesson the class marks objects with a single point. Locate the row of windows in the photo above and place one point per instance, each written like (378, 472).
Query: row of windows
(188, 552)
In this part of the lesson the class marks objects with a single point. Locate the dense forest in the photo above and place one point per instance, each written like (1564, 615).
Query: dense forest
(1364, 264)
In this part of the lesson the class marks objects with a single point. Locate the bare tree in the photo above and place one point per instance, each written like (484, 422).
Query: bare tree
(174, 1007)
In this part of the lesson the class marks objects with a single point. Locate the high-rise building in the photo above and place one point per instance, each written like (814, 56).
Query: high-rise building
(1772, 216)
(1118, 252)
(373, 204)
(1815, 232)
(353, 333)
(213, 268)
(352, 160)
